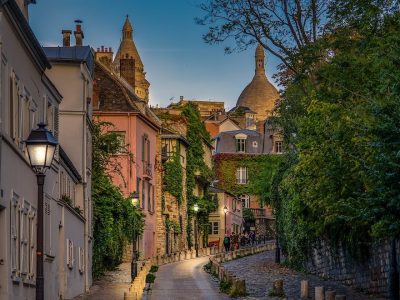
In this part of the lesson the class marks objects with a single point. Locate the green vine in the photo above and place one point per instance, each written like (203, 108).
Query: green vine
(173, 176)
(196, 167)
(173, 225)
(260, 169)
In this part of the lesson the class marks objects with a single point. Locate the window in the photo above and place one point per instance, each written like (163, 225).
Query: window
(81, 259)
(240, 145)
(23, 238)
(255, 144)
(213, 228)
(152, 197)
(121, 139)
(145, 149)
(149, 206)
(241, 175)
(233, 204)
(143, 193)
(245, 201)
(278, 147)
(24, 233)
(14, 108)
(70, 254)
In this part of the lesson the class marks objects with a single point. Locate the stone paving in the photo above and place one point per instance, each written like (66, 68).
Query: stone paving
(185, 280)
(110, 286)
(260, 271)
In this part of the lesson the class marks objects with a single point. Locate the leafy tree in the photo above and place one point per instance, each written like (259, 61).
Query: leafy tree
(340, 180)
(114, 218)
(282, 27)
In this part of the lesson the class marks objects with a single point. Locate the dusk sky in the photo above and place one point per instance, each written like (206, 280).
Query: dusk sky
(176, 59)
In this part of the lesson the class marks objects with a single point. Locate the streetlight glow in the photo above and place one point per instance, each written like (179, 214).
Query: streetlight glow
(134, 197)
(225, 210)
(41, 146)
(196, 207)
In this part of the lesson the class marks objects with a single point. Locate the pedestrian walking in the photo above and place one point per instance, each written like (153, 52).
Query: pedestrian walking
(227, 243)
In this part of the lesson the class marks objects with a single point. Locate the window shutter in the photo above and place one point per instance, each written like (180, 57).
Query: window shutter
(148, 151)
(32, 242)
(14, 233)
(143, 145)
(47, 226)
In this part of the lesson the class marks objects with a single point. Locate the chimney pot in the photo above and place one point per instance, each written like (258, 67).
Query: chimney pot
(181, 98)
(102, 48)
(66, 37)
(98, 49)
(79, 36)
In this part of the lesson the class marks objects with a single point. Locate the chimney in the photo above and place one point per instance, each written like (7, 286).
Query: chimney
(66, 38)
(78, 33)
(180, 98)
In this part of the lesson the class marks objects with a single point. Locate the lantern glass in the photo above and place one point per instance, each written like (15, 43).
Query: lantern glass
(41, 146)
(134, 199)
(196, 207)
(225, 209)
(40, 155)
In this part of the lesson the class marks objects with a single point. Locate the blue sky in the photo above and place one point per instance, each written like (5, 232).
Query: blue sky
(176, 59)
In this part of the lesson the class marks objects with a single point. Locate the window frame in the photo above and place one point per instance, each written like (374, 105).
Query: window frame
(241, 145)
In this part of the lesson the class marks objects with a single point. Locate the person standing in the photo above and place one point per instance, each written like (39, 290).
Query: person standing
(227, 243)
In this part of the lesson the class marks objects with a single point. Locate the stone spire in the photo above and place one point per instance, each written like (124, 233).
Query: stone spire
(127, 30)
(128, 63)
(260, 60)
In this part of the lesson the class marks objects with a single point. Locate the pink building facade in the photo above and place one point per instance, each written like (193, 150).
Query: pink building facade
(115, 102)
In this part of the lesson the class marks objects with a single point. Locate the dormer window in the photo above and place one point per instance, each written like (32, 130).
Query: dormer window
(241, 143)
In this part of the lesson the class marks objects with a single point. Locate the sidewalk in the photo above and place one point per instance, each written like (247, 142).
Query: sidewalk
(110, 286)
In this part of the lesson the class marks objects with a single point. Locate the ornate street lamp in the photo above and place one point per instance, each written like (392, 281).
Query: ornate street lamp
(225, 212)
(134, 198)
(196, 244)
(41, 146)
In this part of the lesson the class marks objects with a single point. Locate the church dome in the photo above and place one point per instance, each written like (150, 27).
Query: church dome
(259, 95)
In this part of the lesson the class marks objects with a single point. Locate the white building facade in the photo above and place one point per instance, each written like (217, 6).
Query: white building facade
(27, 97)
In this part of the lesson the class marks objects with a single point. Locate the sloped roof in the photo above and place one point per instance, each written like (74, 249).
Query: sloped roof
(80, 54)
(116, 95)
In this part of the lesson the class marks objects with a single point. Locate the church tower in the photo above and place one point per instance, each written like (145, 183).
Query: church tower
(129, 65)
(259, 95)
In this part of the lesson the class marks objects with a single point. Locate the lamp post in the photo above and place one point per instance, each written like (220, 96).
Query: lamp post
(196, 244)
(134, 197)
(40, 146)
(225, 211)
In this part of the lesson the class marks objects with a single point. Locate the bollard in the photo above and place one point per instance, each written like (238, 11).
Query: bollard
(340, 297)
(330, 295)
(319, 293)
(238, 287)
(277, 288)
(304, 294)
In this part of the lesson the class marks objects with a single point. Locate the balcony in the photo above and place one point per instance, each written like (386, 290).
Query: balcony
(147, 170)
(258, 213)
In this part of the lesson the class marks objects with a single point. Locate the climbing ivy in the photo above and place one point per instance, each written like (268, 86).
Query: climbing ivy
(260, 169)
(114, 218)
(173, 176)
(197, 135)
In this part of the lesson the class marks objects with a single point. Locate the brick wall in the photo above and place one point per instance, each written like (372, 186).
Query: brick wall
(370, 274)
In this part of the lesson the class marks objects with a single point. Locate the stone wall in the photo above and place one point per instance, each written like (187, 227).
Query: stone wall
(370, 274)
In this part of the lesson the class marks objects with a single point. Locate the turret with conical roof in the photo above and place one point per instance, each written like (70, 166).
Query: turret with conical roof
(128, 63)
(259, 95)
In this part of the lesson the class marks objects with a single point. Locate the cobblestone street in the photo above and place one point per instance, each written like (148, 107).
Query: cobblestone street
(110, 286)
(260, 271)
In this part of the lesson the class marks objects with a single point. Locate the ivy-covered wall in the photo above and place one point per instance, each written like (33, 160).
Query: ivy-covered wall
(261, 169)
